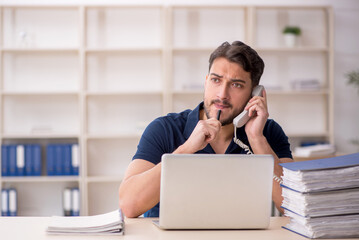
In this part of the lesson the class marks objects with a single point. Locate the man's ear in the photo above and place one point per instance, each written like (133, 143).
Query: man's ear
(205, 82)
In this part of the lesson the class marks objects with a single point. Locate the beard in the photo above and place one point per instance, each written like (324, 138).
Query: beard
(224, 121)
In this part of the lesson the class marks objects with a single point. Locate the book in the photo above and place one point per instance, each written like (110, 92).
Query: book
(111, 223)
(321, 197)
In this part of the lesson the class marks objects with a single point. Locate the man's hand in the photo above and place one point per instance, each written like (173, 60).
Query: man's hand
(258, 111)
(205, 132)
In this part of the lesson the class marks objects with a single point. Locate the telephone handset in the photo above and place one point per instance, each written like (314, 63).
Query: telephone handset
(243, 117)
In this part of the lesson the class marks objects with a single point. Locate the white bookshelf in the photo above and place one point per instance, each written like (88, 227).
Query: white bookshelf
(97, 75)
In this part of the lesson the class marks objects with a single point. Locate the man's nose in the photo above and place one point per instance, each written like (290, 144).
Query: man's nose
(223, 92)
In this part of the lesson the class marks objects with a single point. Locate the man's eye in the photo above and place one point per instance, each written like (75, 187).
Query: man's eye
(236, 85)
(215, 80)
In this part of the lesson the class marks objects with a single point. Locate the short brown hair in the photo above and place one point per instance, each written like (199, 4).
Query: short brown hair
(244, 55)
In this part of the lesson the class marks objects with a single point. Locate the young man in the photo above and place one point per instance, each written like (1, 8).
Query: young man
(234, 70)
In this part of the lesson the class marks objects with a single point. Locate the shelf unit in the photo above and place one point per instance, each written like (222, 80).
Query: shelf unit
(97, 75)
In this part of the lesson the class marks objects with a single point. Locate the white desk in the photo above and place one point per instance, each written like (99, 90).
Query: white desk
(141, 229)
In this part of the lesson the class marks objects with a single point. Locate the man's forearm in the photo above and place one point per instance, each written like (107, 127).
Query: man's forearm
(137, 195)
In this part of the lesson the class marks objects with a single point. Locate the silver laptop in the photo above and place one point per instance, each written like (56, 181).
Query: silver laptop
(215, 191)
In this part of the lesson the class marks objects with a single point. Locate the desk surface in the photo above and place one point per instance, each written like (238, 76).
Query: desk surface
(142, 228)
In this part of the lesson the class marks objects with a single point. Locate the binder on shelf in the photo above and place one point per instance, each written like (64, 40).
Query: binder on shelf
(36, 160)
(75, 203)
(67, 202)
(66, 170)
(12, 160)
(321, 197)
(28, 161)
(4, 160)
(58, 159)
(75, 159)
(12, 202)
(50, 160)
(20, 160)
(4, 202)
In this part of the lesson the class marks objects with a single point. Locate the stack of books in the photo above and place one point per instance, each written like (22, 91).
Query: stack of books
(321, 197)
(111, 223)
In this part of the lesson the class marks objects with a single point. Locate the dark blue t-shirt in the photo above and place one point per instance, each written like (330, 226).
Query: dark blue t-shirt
(166, 134)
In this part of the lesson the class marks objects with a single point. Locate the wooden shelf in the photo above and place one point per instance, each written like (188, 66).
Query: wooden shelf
(307, 135)
(125, 50)
(193, 49)
(114, 94)
(298, 92)
(44, 135)
(39, 93)
(104, 179)
(41, 179)
(114, 136)
(40, 50)
(293, 49)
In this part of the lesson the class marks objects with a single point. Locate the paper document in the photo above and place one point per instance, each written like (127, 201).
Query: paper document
(103, 224)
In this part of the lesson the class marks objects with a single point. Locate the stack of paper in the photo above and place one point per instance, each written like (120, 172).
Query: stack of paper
(305, 84)
(104, 224)
(322, 197)
(314, 150)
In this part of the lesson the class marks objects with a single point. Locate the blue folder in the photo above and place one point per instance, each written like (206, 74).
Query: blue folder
(12, 160)
(66, 159)
(74, 167)
(4, 160)
(28, 161)
(50, 160)
(20, 170)
(326, 163)
(59, 159)
(36, 160)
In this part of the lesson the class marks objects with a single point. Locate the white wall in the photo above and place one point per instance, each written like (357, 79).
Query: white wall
(346, 22)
